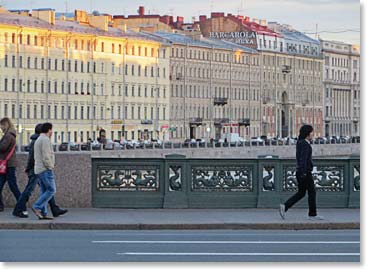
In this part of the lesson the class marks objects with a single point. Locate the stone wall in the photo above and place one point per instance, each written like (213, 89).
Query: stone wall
(73, 180)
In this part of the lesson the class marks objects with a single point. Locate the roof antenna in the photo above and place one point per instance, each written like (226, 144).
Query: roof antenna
(316, 31)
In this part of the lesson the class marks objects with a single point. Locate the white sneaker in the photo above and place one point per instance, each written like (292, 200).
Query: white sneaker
(316, 217)
(282, 211)
(25, 213)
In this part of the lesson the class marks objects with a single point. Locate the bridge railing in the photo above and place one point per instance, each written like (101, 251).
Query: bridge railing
(179, 182)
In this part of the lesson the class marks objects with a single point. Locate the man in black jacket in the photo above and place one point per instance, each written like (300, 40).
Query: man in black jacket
(20, 209)
(303, 175)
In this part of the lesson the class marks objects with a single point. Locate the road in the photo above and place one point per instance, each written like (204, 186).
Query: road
(180, 246)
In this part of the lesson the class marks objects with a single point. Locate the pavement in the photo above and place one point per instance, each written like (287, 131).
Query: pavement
(184, 219)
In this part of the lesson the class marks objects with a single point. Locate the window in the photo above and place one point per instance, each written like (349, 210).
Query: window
(6, 60)
(75, 112)
(6, 84)
(35, 116)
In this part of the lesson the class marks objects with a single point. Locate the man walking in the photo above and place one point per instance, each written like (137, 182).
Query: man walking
(303, 175)
(20, 209)
(44, 165)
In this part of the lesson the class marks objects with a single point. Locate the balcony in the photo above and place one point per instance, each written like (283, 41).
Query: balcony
(196, 121)
(221, 121)
(244, 122)
(286, 69)
(177, 77)
(305, 102)
(220, 101)
(266, 100)
(146, 122)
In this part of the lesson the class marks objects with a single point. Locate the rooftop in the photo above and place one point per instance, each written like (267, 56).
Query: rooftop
(68, 26)
(203, 42)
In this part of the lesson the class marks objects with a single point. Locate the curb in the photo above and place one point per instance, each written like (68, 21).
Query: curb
(201, 226)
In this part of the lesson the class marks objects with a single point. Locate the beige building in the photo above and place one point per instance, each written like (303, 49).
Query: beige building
(212, 93)
(82, 75)
(341, 88)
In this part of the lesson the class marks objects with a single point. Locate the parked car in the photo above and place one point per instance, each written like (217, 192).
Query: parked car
(256, 141)
(71, 145)
(96, 145)
(85, 146)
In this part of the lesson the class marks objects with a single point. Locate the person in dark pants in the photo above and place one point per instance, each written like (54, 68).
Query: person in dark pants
(7, 143)
(303, 175)
(20, 209)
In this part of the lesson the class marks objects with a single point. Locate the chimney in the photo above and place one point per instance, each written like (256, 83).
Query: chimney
(141, 11)
(44, 14)
(255, 20)
(99, 21)
(217, 14)
(3, 10)
(263, 23)
(180, 21)
(81, 16)
(202, 18)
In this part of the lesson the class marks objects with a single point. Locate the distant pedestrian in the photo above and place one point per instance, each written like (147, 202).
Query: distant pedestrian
(7, 152)
(44, 158)
(20, 209)
(303, 175)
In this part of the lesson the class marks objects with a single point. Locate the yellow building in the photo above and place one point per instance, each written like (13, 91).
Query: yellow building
(82, 75)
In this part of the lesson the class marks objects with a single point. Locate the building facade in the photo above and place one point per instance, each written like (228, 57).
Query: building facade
(214, 88)
(341, 88)
(83, 76)
(291, 67)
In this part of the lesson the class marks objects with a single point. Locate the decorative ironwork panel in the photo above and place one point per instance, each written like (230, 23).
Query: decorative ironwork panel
(228, 178)
(268, 178)
(128, 178)
(175, 175)
(326, 178)
(356, 176)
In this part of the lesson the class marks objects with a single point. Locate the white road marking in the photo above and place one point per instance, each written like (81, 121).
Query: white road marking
(228, 234)
(233, 254)
(222, 242)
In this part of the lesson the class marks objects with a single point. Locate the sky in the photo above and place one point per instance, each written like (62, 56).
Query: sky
(328, 16)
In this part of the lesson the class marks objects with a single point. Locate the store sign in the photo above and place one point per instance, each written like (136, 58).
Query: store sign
(241, 38)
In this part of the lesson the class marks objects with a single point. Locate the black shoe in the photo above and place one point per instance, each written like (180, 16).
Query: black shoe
(47, 218)
(59, 212)
(20, 215)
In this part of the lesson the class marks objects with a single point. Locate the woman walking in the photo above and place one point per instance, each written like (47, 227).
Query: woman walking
(303, 175)
(7, 152)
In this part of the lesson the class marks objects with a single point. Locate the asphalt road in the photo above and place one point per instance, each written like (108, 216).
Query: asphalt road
(180, 246)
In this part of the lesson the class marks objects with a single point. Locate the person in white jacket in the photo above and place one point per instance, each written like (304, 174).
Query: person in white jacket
(44, 158)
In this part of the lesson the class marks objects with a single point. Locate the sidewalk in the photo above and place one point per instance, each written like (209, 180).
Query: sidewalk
(151, 219)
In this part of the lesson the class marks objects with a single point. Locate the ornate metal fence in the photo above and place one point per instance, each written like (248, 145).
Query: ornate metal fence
(177, 182)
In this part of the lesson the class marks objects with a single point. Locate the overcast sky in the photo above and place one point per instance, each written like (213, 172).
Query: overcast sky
(341, 16)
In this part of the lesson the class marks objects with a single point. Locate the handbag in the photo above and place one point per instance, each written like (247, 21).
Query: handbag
(3, 163)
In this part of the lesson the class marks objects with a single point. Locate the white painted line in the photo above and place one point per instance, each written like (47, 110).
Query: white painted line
(230, 234)
(233, 254)
(224, 242)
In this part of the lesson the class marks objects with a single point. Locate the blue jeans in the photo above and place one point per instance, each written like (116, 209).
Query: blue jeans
(48, 189)
(27, 193)
(12, 182)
